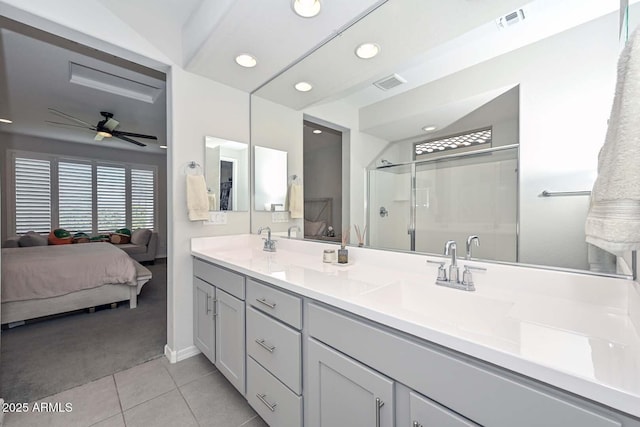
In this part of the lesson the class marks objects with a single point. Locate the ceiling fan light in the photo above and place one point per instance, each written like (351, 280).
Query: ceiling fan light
(367, 50)
(163, 146)
(246, 60)
(306, 8)
(104, 134)
(6, 121)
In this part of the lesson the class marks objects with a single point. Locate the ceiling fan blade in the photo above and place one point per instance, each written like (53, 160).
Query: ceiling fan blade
(98, 137)
(111, 124)
(135, 135)
(68, 117)
(69, 125)
(124, 138)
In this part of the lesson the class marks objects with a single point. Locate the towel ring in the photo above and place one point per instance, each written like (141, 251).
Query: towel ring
(193, 167)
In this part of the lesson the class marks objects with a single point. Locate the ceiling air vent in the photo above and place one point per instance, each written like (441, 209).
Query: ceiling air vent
(390, 82)
(510, 19)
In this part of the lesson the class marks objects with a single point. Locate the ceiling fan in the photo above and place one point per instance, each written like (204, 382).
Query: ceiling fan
(106, 128)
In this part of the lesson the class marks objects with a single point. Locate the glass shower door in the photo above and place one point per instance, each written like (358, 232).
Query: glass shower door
(390, 207)
(470, 195)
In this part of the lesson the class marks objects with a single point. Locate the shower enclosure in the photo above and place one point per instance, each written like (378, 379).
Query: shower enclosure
(418, 206)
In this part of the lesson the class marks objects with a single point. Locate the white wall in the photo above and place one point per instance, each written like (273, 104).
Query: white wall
(63, 148)
(196, 107)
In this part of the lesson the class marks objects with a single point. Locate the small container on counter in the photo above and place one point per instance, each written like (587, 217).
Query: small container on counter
(329, 255)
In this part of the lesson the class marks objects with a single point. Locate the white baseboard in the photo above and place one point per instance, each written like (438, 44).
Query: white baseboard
(176, 356)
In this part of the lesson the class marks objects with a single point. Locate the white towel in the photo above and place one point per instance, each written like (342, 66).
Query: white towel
(613, 220)
(197, 198)
(296, 201)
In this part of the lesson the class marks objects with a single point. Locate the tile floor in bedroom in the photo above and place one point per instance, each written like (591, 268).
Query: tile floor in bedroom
(156, 393)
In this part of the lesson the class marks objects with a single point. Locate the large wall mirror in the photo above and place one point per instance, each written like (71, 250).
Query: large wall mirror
(227, 174)
(543, 84)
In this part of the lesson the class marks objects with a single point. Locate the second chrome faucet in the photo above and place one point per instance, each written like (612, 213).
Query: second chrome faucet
(269, 245)
(453, 281)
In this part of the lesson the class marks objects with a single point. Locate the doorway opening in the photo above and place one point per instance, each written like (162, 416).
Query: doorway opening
(323, 178)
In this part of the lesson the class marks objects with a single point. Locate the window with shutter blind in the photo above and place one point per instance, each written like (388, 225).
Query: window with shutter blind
(142, 198)
(75, 196)
(111, 197)
(32, 195)
(80, 195)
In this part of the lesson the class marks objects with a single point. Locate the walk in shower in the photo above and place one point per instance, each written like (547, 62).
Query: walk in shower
(419, 205)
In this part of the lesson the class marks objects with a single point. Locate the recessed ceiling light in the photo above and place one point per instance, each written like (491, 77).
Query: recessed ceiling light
(306, 8)
(104, 134)
(163, 146)
(5, 121)
(303, 86)
(429, 128)
(317, 131)
(367, 50)
(246, 60)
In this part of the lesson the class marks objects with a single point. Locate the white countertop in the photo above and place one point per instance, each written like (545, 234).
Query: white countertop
(573, 331)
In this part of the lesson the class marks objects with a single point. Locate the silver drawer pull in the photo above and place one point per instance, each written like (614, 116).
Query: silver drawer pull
(215, 306)
(207, 304)
(379, 404)
(267, 347)
(416, 424)
(265, 302)
(262, 397)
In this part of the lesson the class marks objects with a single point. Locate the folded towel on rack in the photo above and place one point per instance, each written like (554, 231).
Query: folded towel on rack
(295, 200)
(613, 220)
(197, 198)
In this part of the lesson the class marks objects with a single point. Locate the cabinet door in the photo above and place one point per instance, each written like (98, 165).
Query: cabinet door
(230, 343)
(203, 318)
(425, 413)
(343, 392)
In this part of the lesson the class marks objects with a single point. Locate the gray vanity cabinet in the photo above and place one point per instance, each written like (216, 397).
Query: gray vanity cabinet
(219, 319)
(343, 392)
(204, 329)
(416, 410)
(274, 354)
(230, 347)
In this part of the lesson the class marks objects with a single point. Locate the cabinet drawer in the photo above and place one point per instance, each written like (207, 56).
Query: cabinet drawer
(274, 402)
(226, 280)
(276, 303)
(487, 395)
(276, 347)
(425, 412)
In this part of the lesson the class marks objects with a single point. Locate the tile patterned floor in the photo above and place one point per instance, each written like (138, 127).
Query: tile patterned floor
(156, 393)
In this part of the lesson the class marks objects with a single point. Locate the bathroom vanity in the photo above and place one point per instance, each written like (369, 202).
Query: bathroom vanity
(377, 343)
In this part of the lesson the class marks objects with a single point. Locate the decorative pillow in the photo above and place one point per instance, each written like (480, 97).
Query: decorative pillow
(60, 236)
(11, 243)
(31, 238)
(121, 236)
(314, 228)
(81, 238)
(141, 236)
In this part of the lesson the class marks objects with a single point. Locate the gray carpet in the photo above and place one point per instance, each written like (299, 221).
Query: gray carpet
(45, 357)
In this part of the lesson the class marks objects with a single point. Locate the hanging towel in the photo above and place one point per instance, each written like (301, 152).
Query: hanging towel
(613, 220)
(295, 199)
(197, 198)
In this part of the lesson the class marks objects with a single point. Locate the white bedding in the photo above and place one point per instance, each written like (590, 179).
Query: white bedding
(48, 271)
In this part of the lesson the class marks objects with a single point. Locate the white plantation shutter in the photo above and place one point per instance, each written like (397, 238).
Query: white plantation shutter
(75, 196)
(111, 196)
(142, 198)
(33, 195)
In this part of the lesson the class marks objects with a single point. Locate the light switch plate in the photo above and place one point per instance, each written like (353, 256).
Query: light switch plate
(282, 216)
(217, 218)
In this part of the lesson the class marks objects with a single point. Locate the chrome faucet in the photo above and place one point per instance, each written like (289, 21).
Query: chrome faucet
(269, 245)
(453, 281)
(454, 272)
(293, 227)
(274, 206)
(470, 240)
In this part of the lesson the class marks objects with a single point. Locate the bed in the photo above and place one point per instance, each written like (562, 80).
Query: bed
(44, 280)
